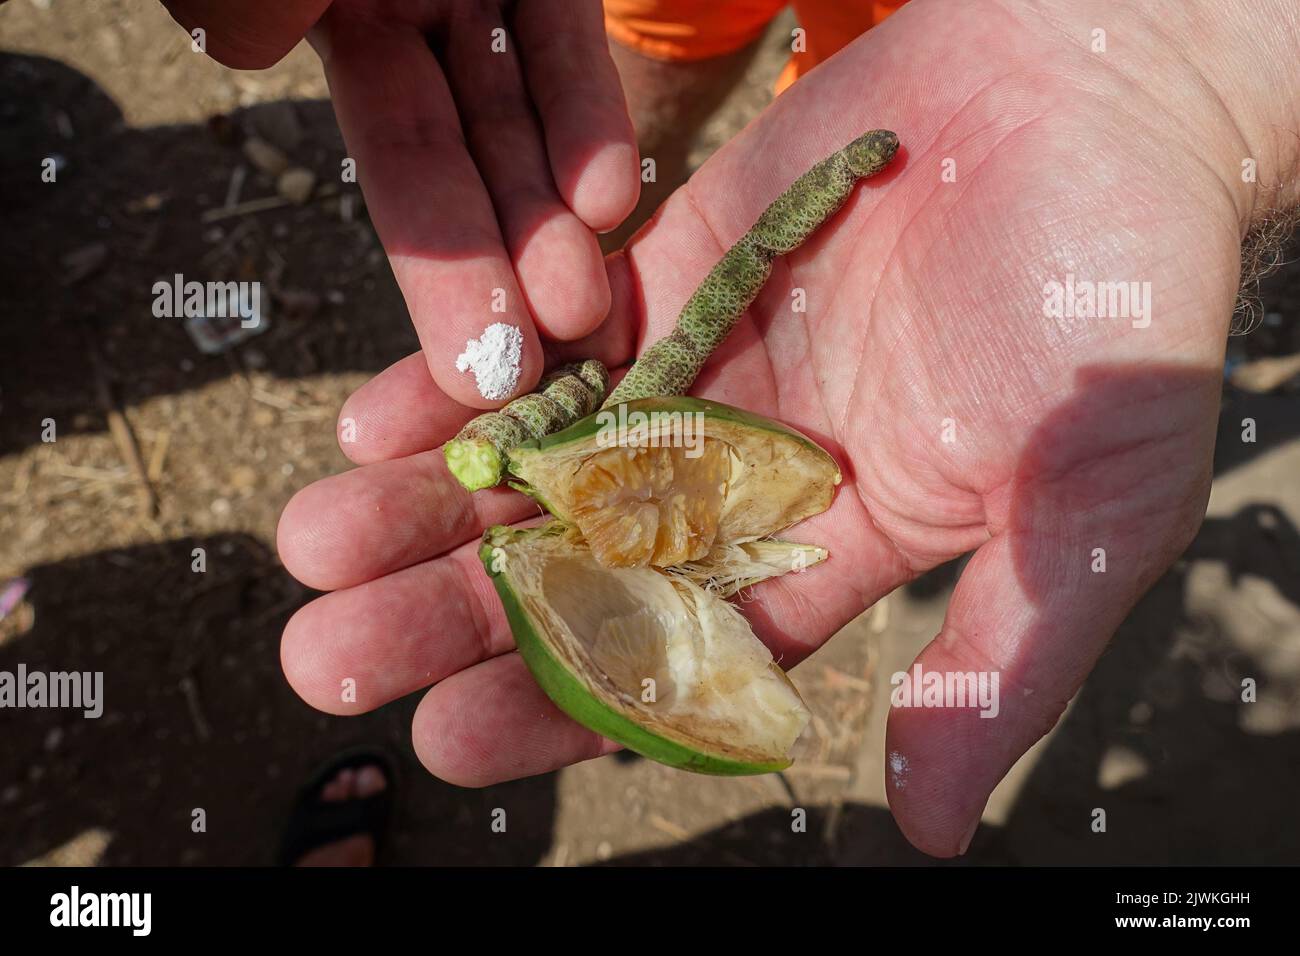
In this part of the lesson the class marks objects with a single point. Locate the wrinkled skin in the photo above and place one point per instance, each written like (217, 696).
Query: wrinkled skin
(925, 321)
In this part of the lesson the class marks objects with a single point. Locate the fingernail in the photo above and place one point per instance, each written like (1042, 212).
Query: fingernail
(965, 841)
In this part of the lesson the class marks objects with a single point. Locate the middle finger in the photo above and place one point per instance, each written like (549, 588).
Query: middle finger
(351, 528)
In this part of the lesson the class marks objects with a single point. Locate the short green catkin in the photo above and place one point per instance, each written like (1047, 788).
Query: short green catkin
(478, 455)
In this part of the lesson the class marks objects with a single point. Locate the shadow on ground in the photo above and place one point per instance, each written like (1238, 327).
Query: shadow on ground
(196, 714)
(133, 201)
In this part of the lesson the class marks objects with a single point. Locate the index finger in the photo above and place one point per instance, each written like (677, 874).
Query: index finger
(430, 207)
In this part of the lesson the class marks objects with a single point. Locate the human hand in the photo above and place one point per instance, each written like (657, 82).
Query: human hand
(482, 170)
(926, 319)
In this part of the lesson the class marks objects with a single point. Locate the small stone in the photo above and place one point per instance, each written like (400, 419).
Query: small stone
(243, 478)
(296, 184)
(1266, 374)
(220, 507)
(265, 156)
(1265, 718)
(1140, 713)
(1120, 765)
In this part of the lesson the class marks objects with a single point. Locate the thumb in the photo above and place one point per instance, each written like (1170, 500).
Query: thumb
(1110, 490)
(1013, 666)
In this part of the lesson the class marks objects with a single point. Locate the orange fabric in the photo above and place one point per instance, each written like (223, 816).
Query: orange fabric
(699, 29)
(688, 29)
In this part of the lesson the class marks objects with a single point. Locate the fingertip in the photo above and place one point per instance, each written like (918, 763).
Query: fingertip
(939, 772)
(289, 539)
(563, 276)
(445, 745)
(398, 412)
(485, 372)
(943, 843)
(614, 340)
(302, 666)
(250, 36)
(444, 759)
(353, 431)
(317, 532)
(606, 188)
(492, 722)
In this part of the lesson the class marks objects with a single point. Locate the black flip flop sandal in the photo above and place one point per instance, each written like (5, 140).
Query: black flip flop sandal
(314, 822)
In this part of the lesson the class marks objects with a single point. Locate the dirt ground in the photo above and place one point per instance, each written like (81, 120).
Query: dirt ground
(197, 712)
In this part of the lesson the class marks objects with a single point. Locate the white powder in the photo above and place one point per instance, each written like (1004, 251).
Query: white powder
(898, 770)
(494, 359)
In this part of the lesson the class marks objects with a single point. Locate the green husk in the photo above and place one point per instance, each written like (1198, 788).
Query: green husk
(572, 696)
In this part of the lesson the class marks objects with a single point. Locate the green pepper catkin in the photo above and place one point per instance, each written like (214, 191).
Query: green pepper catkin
(670, 365)
(478, 455)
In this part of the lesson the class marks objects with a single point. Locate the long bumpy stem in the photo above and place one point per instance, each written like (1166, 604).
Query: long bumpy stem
(477, 456)
(670, 365)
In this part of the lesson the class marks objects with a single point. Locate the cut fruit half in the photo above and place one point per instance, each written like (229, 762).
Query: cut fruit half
(647, 657)
(660, 481)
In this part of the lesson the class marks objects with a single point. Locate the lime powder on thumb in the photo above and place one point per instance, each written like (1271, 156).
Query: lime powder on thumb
(494, 359)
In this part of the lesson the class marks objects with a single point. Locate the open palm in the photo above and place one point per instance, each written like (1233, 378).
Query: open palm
(911, 337)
